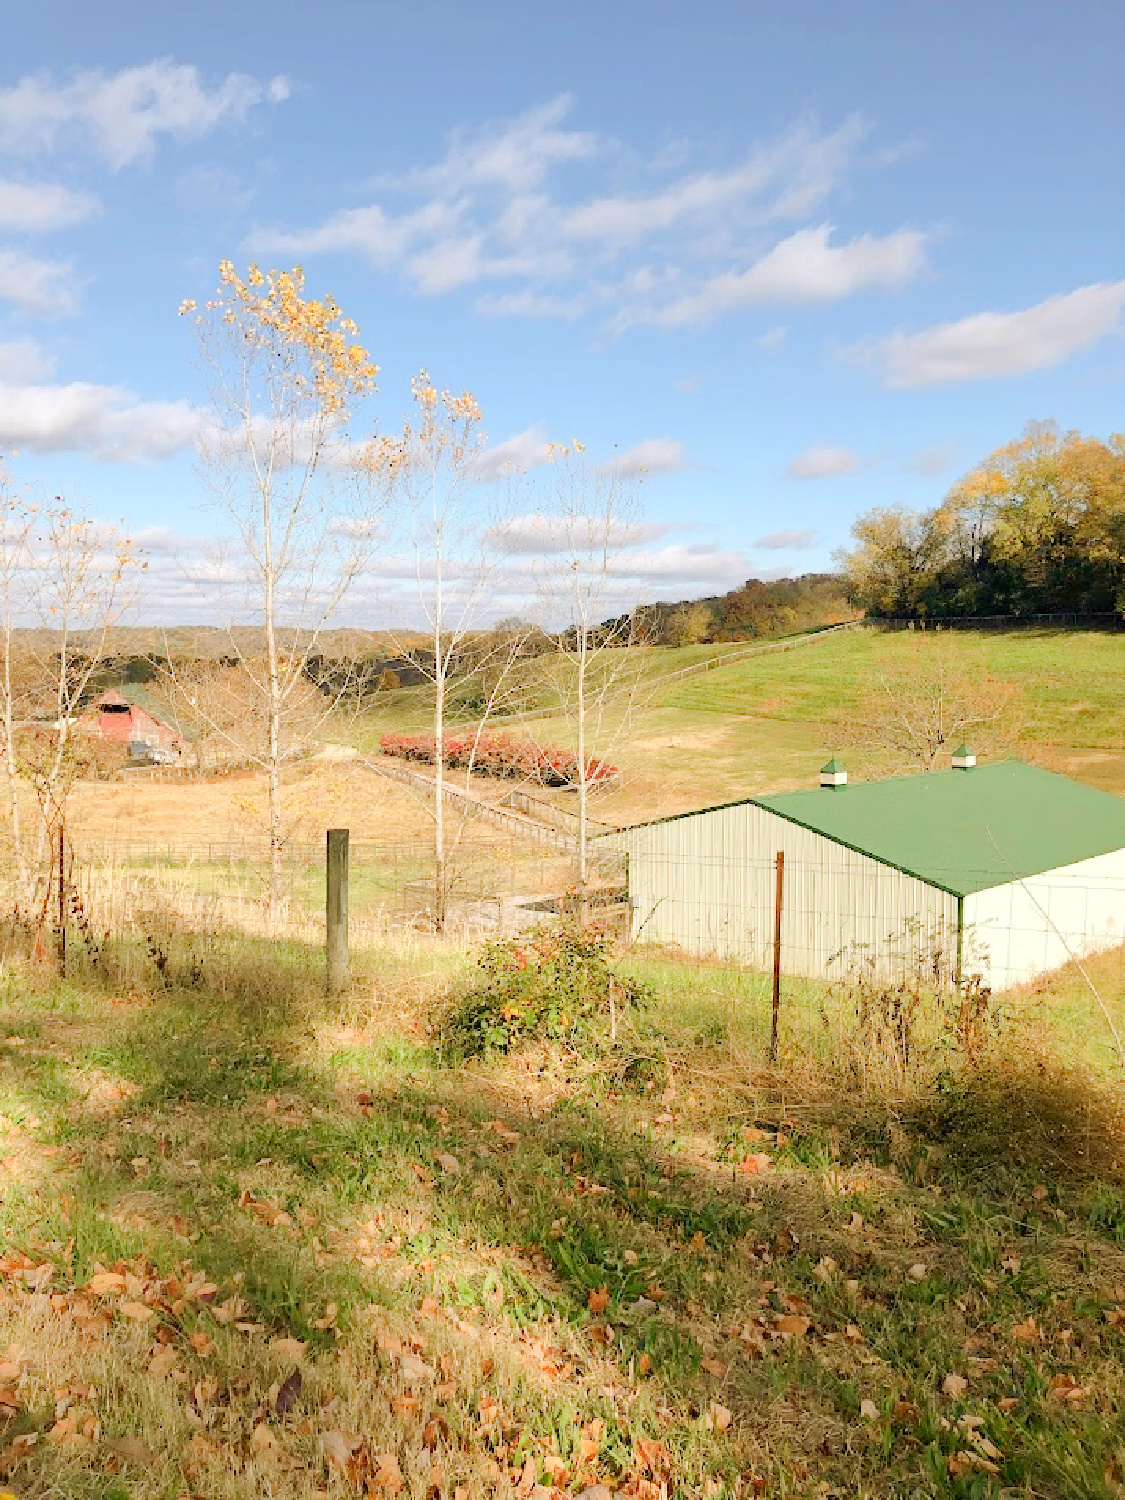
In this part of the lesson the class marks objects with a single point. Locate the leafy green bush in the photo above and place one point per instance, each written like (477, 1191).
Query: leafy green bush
(546, 985)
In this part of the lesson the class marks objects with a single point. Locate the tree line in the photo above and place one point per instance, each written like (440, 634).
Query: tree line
(1038, 527)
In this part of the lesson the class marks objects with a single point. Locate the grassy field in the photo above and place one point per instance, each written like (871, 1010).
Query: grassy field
(768, 723)
(257, 1246)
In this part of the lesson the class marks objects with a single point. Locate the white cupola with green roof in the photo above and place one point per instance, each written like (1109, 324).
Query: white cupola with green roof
(833, 774)
(1010, 872)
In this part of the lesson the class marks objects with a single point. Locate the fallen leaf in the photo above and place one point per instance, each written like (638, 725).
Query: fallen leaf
(869, 1410)
(289, 1393)
(755, 1164)
(132, 1450)
(163, 1362)
(264, 1443)
(721, 1416)
(955, 1386)
(288, 1348)
(1026, 1332)
(448, 1164)
(135, 1310)
(414, 1368)
(597, 1301)
(341, 1450)
(792, 1325)
(918, 1271)
(654, 1458)
(105, 1282)
(713, 1367)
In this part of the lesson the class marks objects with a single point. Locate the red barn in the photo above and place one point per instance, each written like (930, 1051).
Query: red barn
(122, 716)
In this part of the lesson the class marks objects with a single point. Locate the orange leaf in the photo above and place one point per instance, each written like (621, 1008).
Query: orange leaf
(598, 1301)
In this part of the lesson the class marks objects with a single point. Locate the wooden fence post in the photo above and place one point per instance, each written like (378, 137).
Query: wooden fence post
(777, 954)
(336, 910)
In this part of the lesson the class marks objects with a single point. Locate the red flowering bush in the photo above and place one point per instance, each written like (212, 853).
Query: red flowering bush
(500, 755)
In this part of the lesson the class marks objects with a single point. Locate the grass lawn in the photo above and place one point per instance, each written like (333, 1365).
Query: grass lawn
(253, 1246)
(768, 722)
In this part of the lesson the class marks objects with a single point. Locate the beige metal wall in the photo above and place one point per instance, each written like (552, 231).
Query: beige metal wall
(706, 883)
(1014, 932)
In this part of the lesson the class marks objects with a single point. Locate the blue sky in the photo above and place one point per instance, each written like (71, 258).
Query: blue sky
(794, 260)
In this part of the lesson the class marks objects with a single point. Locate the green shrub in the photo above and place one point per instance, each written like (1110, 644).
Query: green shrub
(553, 985)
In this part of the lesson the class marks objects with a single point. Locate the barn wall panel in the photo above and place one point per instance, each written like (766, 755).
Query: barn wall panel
(706, 883)
(1014, 932)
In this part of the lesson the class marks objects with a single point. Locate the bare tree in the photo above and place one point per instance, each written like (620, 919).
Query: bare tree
(17, 519)
(83, 578)
(436, 474)
(596, 673)
(917, 710)
(285, 370)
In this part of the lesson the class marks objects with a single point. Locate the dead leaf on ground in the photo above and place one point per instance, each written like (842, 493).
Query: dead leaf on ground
(132, 1450)
(954, 1385)
(598, 1300)
(288, 1394)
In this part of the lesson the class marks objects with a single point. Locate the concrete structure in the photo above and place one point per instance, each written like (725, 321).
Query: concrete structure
(1005, 870)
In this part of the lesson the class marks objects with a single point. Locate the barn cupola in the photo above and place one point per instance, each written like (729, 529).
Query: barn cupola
(963, 758)
(833, 776)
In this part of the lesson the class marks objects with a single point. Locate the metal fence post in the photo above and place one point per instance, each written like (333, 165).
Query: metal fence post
(777, 954)
(336, 910)
(62, 900)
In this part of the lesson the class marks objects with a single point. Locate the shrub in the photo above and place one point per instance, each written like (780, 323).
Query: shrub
(501, 755)
(547, 985)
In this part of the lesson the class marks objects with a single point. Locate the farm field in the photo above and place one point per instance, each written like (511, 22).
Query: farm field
(769, 722)
(254, 1244)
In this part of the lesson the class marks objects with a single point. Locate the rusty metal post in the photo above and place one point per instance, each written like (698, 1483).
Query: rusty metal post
(777, 953)
(336, 910)
(62, 901)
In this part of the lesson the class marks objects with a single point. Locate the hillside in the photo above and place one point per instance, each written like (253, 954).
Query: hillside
(768, 721)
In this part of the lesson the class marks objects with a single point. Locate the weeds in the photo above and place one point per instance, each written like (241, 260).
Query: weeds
(552, 985)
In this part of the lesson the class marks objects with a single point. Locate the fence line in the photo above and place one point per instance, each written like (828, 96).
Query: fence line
(512, 822)
(1099, 620)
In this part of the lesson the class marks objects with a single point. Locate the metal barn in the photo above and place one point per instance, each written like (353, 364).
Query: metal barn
(1005, 871)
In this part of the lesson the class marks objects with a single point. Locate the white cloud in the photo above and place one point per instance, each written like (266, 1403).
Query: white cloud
(806, 267)
(823, 463)
(22, 362)
(100, 420)
(38, 206)
(36, 286)
(539, 535)
(990, 345)
(773, 340)
(120, 115)
(654, 456)
(514, 455)
(787, 541)
(683, 567)
(495, 213)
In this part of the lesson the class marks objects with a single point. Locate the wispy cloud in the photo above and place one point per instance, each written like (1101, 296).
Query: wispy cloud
(805, 267)
(498, 214)
(120, 115)
(44, 287)
(102, 421)
(823, 463)
(517, 454)
(538, 534)
(654, 456)
(38, 206)
(787, 541)
(991, 345)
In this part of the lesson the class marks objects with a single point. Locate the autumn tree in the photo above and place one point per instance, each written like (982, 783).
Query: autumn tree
(1039, 526)
(285, 371)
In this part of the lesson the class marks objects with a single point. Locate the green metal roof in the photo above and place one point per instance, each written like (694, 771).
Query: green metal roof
(965, 831)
